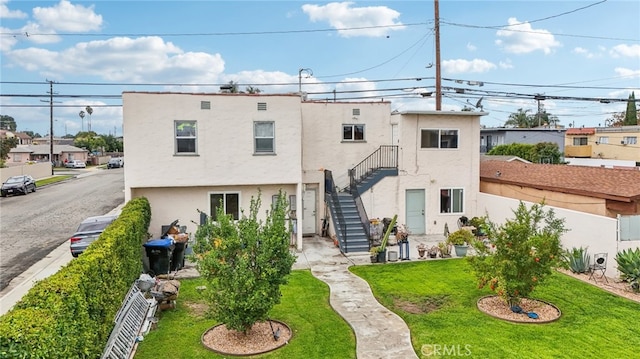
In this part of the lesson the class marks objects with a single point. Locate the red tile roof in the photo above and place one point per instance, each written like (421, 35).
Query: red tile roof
(610, 183)
(581, 131)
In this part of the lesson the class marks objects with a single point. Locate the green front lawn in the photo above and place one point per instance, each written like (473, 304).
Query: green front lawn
(318, 331)
(594, 323)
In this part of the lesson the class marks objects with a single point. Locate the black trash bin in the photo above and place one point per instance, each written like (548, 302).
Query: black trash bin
(160, 252)
(177, 259)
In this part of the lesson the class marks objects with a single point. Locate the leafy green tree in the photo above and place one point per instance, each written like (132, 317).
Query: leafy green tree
(89, 141)
(112, 144)
(252, 90)
(520, 254)
(519, 119)
(6, 144)
(245, 263)
(232, 87)
(631, 115)
(7, 123)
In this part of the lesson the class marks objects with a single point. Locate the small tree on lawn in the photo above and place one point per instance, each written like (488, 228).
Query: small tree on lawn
(245, 262)
(520, 254)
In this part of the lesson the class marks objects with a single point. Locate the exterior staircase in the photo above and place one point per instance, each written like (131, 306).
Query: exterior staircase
(350, 220)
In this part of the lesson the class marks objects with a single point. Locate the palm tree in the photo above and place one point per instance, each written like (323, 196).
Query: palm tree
(89, 111)
(520, 119)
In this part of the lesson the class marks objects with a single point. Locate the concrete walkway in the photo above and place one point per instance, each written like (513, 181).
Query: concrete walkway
(380, 333)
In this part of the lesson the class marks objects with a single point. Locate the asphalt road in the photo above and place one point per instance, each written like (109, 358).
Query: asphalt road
(32, 226)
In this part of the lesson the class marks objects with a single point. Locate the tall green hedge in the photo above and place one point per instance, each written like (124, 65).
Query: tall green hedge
(70, 314)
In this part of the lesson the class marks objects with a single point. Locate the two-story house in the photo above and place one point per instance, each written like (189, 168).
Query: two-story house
(339, 162)
(613, 143)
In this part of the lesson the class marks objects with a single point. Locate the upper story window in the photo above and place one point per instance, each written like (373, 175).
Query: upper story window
(353, 132)
(438, 138)
(264, 135)
(230, 203)
(186, 137)
(630, 140)
(580, 141)
(603, 140)
(451, 200)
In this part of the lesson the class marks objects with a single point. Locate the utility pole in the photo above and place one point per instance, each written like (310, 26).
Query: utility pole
(438, 75)
(50, 123)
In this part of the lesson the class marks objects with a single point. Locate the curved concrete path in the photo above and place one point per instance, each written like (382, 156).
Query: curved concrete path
(380, 333)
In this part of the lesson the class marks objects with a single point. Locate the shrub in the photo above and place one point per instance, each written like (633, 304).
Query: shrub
(245, 262)
(519, 254)
(577, 259)
(461, 237)
(70, 314)
(629, 266)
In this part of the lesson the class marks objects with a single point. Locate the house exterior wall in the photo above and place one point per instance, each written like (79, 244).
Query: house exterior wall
(308, 139)
(595, 206)
(183, 203)
(225, 141)
(323, 147)
(532, 136)
(598, 234)
(430, 170)
(607, 143)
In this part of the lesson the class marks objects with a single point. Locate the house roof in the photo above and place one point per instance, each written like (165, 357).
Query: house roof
(44, 149)
(507, 158)
(581, 131)
(607, 183)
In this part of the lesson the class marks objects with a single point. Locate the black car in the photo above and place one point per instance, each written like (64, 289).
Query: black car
(18, 184)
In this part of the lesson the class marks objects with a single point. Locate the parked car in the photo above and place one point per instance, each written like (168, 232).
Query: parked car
(18, 184)
(76, 164)
(116, 162)
(88, 231)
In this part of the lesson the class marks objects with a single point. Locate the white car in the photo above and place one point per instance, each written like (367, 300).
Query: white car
(76, 164)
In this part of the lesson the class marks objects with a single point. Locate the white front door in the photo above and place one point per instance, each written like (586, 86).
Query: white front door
(309, 211)
(415, 211)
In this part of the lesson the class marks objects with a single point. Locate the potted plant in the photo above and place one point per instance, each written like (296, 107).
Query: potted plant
(433, 252)
(460, 240)
(422, 249)
(373, 254)
(445, 250)
(480, 224)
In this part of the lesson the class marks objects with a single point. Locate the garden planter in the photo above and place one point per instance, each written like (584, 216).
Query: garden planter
(382, 256)
(461, 251)
(374, 259)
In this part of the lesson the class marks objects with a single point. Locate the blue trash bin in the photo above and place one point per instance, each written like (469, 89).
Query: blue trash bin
(159, 251)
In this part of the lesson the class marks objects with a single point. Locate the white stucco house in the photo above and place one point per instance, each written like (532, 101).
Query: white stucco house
(186, 152)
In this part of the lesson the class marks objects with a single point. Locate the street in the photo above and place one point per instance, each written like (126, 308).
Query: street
(32, 226)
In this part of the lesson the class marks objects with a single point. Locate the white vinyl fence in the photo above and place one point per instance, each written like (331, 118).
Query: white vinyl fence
(596, 233)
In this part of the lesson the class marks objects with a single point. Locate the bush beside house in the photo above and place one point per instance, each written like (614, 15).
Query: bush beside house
(70, 314)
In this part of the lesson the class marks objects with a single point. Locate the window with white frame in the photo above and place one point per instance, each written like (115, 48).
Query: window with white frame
(603, 140)
(264, 135)
(186, 137)
(230, 202)
(451, 200)
(630, 140)
(438, 138)
(580, 141)
(352, 132)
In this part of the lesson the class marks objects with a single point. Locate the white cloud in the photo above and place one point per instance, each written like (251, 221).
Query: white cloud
(584, 52)
(142, 59)
(621, 71)
(343, 16)
(6, 13)
(7, 42)
(521, 38)
(68, 17)
(626, 50)
(471, 47)
(465, 66)
(506, 64)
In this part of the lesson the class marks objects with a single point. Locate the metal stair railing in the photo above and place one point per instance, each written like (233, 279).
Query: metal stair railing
(330, 190)
(384, 157)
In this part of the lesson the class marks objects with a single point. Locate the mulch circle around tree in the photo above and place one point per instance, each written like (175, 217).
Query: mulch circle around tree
(258, 340)
(494, 306)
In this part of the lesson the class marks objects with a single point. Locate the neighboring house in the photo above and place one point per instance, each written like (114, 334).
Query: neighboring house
(56, 141)
(615, 143)
(342, 162)
(492, 137)
(23, 138)
(40, 153)
(601, 191)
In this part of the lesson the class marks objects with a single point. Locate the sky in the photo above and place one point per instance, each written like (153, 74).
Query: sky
(577, 60)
